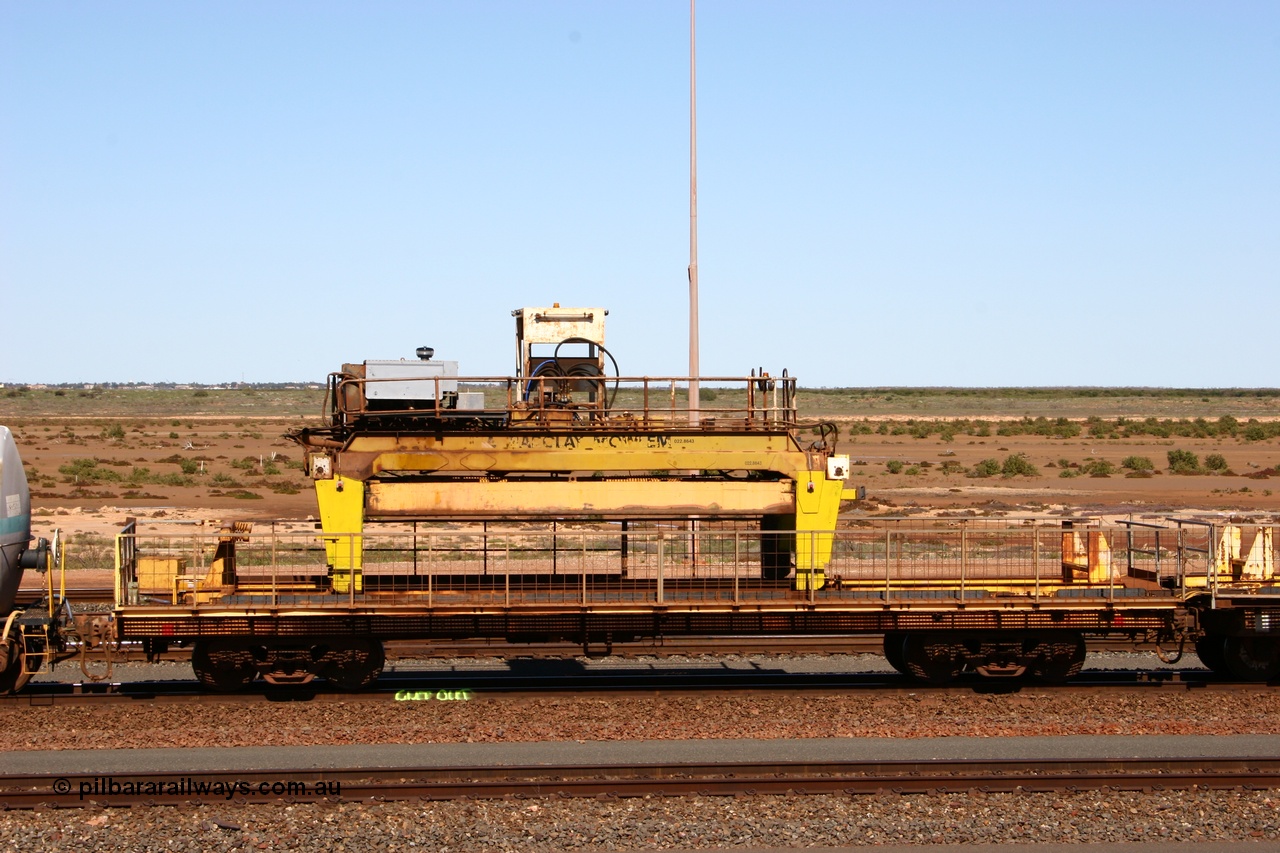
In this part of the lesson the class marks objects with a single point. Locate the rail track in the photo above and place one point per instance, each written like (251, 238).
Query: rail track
(27, 596)
(645, 780)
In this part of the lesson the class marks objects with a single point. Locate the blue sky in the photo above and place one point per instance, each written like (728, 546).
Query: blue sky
(890, 193)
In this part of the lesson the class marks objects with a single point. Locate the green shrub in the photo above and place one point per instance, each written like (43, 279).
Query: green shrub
(1215, 462)
(1098, 468)
(1137, 463)
(985, 468)
(86, 472)
(1183, 462)
(1255, 432)
(894, 466)
(1017, 465)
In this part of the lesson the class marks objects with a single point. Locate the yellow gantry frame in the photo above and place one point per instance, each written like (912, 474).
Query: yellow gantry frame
(604, 474)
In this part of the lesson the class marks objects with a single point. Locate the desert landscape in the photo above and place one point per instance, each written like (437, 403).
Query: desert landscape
(95, 456)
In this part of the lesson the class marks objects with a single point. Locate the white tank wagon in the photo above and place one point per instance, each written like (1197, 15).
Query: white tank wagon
(47, 631)
(16, 552)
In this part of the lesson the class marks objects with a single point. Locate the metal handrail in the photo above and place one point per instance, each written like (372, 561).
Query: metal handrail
(757, 403)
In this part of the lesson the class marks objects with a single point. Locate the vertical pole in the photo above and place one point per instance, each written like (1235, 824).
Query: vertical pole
(274, 566)
(1036, 561)
(1157, 556)
(813, 566)
(662, 545)
(737, 562)
(1211, 569)
(693, 546)
(888, 535)
(625, 557)
(694, 392)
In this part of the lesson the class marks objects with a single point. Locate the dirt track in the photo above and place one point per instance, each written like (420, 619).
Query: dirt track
(86, 477)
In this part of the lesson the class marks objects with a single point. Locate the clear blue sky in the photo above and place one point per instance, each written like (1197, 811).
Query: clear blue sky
(890, 193)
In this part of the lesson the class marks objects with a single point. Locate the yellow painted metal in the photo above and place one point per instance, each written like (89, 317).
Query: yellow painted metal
(1232, 561)
(156, 574)
(341, 503)
(817, 508)
(369, 455)
(558, 498)
(1086, 555)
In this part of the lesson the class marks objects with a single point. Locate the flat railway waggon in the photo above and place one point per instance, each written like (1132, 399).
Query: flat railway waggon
(568, 502)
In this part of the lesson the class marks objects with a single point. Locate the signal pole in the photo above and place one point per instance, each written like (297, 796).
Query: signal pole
(694, 393)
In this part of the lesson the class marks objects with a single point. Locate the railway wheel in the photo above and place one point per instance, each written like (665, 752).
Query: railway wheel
(932, 658)
(222, 666)
(893, 652)
(356, 665)
(10, 665)
(1252, 658)
(1061, 657)
(1209, 649)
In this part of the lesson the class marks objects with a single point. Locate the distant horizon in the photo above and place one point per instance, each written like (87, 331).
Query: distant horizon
(318, 385)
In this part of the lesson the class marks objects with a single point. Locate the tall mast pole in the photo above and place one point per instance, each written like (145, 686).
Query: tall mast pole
(693, 220)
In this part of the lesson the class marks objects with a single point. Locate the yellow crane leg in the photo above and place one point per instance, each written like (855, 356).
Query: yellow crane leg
(817, 508)
(341, 503)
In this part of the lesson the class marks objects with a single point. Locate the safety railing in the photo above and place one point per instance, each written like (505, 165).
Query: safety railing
(592, 402)
(689, 564)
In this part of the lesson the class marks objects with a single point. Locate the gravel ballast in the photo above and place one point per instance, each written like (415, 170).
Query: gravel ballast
(658, 823)
(510, 718)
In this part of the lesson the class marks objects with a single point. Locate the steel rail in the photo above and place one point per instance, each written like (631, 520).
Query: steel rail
(676, 779)
(28, 595)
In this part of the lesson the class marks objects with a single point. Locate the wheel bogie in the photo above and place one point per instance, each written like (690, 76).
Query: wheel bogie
(224, 666)
(229, 665)
(938, 657)
(1209, 649)
(933, 658)
(893, 652)
(1252, 658)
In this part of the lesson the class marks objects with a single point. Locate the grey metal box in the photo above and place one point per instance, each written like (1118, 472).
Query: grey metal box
(471, 401)
(403, 379)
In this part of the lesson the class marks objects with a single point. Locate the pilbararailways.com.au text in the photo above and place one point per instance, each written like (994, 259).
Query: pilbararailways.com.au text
(193, 786)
